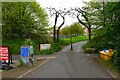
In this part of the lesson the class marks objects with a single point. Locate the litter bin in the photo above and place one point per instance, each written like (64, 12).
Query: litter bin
(106, 56)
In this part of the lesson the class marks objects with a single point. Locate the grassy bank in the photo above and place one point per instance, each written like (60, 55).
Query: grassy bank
(95, 43)
(76, 38)
(15, 44)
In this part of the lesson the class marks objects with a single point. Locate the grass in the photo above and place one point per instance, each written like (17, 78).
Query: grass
(15, 44)
(76, 38)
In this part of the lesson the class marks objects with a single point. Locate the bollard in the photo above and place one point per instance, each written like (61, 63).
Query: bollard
(71, 46)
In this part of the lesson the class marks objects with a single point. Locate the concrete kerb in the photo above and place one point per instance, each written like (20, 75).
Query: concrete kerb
(32, 69)
(115, 77)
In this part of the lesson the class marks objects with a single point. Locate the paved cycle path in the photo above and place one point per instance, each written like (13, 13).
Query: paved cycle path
(70, 64)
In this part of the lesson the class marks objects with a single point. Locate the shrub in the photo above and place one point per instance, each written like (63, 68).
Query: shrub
(20, 63)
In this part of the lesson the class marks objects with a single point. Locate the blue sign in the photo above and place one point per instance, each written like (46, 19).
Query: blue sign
(24, 52)
(24, 60)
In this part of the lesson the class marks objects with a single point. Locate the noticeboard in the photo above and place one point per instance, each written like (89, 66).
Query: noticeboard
(45, 46)
(27, 54)
(24, 52)
(4, 53)
(31, 50)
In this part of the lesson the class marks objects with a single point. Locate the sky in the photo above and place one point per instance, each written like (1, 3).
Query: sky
(60, 4)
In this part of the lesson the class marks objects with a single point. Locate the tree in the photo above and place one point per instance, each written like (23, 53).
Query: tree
(95, 13)
(75, 28)
(23, 19)
(57, 14)
(105, 16)
(83, 13)
(51, 30)
(108, 34)
(78, 28)
(111, 29)
(64, 31)
(53, 11)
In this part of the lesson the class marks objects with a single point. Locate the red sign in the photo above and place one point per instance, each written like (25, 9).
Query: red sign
(4, 55)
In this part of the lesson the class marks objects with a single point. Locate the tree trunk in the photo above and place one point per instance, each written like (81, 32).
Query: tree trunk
(59, 29)
(55, 27)
(57, 35)
(89, 33)
(54, 33)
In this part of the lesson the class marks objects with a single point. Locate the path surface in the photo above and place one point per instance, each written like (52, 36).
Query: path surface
(70, 64)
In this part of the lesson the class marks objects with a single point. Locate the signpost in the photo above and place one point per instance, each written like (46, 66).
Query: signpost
(5, 58)
(24, 53)
(31, 57)
(45, 46)
(27, 54)
(4, 54)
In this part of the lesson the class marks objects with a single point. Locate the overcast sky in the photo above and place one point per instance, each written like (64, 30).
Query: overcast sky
(60, 4)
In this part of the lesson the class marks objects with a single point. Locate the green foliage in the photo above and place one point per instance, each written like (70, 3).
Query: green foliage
(20, 62)
(23, 20)
(15, 44)
(94, 13)
(64, 31)
(108, 37)
(76, 28)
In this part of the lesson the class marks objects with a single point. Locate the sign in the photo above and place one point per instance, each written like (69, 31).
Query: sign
(45, 46)
(24, 60)
(31, 50)
(4, 54)
(27, 54)
(31, 57)
(24, 52)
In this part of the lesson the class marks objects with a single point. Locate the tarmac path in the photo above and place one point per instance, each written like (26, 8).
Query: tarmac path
(70, 64)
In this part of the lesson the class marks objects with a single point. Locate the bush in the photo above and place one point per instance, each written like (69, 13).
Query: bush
(116, 60)
(96, 43)
(20, 63)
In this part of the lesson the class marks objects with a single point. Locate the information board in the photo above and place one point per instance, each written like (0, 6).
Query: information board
(24, 52)
(4, 54)
(27, 54)
(45, 46)
(31, 50)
